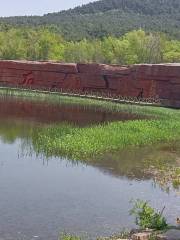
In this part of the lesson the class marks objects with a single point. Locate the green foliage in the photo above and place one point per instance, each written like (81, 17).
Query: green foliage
(30, 44)
(88, 142)
(172, 51)
(107, 17)
(66, 236)
(133, 47)
(12, 45)
(148, 217)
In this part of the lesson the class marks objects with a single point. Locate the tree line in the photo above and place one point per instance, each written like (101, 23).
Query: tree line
(107, 17)
(133, 47)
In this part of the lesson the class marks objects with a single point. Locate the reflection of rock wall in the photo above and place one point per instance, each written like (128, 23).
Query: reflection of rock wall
(160, 80)
(42, 112)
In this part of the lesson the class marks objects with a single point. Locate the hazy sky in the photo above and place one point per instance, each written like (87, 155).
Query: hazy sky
(36, 7)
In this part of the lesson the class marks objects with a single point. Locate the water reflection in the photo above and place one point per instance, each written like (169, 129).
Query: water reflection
(135, 163)
(20, 119)
(44, 112)
(42, 197)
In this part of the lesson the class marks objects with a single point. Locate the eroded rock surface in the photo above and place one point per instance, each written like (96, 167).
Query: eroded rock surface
(145, 80)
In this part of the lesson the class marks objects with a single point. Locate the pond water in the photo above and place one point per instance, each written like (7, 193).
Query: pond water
(42, 197)
(44, 112)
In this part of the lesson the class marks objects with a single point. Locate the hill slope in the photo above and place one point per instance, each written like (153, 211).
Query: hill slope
(105, 17)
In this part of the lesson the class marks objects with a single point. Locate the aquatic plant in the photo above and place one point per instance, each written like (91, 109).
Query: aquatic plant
(68, 236)
(148, 217)
(85, 143)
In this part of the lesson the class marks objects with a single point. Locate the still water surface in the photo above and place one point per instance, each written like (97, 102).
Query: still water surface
(39, 198)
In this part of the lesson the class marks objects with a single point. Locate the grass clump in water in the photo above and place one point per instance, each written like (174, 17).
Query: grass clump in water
(148, 217)
(68, 236)
(85, 143)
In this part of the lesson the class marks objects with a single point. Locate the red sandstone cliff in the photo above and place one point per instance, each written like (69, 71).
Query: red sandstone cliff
(145, 80)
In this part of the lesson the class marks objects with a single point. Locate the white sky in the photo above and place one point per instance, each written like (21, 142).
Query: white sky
(36, 7)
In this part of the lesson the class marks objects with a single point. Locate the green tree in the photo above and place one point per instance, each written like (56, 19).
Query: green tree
(12, 45)
(172, 51)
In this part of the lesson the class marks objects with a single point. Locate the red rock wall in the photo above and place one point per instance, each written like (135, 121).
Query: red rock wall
(161, 80)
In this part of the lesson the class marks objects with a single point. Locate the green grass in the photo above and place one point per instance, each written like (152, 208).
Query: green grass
(67, 236)
(84, 143)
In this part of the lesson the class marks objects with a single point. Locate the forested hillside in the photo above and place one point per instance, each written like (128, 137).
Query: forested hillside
(107, 17)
